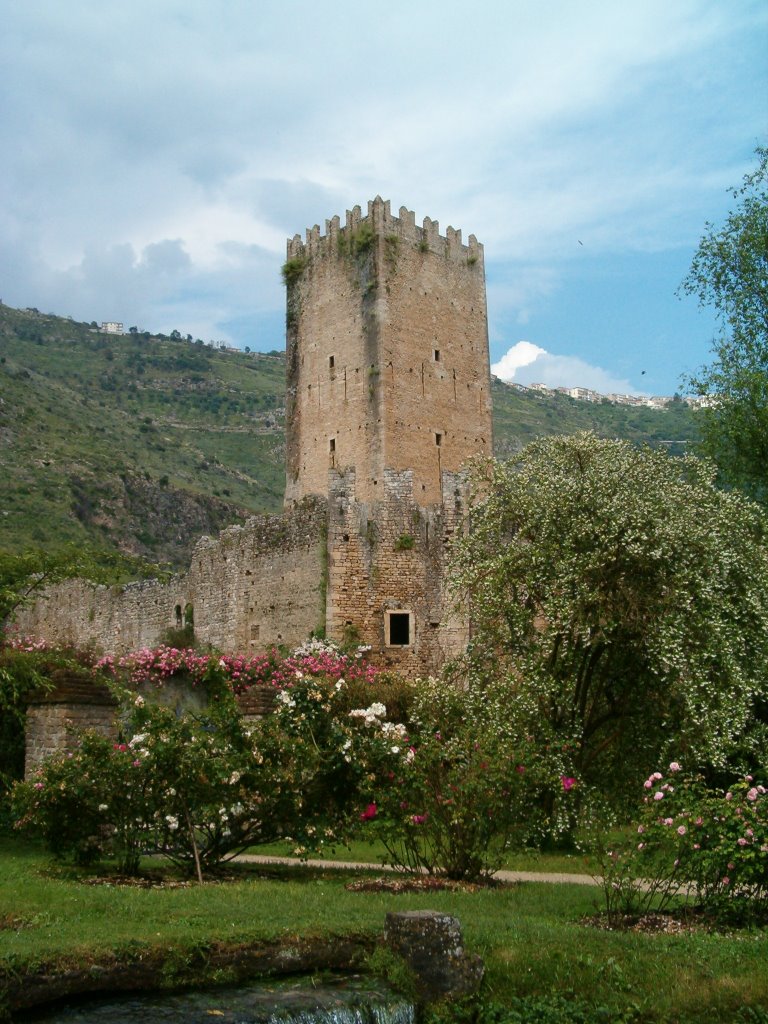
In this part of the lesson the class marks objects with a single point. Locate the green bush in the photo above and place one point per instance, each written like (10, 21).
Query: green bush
(456, 788)
(691, 844)
(293, 269)
(199, 786)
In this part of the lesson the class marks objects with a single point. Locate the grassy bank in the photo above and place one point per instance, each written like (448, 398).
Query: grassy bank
(531, 936)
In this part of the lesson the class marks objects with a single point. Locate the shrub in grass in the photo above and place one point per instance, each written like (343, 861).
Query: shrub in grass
(457, 788)
(694, 844)
(181, 784)
(92, 802)
(200, 786)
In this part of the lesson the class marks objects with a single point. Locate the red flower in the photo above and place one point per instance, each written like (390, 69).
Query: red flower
(368, 813)
(568, 782)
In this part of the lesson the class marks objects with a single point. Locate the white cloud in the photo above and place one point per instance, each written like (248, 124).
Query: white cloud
(520, 355)
(526, 363)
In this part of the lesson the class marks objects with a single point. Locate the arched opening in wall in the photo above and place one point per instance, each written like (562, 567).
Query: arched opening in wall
(398, 628)
(179, 617)
(189, 615)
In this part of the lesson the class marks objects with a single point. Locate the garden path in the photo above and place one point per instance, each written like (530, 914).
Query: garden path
(502, 876)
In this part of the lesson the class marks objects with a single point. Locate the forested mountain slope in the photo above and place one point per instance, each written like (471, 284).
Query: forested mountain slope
(142, 443)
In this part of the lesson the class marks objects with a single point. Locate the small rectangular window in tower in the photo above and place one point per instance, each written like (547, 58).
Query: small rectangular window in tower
(331, 362)
(438, 439)
(332, 445)
(437, 355)
(398, 628)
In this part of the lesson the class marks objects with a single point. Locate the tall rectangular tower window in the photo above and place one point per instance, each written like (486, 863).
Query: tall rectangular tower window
(438, 439)
(437, 355)
(332, 445)
(331, 362)
(398, 628)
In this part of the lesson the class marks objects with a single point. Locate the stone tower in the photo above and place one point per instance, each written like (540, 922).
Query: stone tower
(387, 354)
(388, 396)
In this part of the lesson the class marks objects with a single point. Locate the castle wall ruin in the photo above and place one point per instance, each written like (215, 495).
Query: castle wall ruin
(252, 587)
(388, 396)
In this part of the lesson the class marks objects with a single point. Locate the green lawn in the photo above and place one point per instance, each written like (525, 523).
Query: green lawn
(531, 936)
(374, 853)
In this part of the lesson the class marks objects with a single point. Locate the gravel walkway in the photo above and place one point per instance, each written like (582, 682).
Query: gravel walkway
(504, 876)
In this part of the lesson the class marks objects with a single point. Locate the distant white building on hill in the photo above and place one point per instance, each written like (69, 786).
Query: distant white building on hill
(588, 395)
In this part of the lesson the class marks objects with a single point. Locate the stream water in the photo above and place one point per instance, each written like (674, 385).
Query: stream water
(349, 999)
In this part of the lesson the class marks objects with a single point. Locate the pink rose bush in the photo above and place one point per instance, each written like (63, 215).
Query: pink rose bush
(183, 785)
(317, 658)
(701, 846)
(448, 789)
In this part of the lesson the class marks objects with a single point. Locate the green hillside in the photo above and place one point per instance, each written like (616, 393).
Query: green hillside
(143, 443)
(519, 416)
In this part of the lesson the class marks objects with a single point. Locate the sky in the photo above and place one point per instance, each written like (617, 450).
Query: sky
(156, 155)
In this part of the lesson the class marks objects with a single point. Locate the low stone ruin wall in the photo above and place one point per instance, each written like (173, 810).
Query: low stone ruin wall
(56, 717)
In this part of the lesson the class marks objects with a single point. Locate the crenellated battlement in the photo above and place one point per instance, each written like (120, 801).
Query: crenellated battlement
(426, 238)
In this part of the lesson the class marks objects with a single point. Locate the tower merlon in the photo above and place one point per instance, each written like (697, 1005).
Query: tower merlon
(427, 238)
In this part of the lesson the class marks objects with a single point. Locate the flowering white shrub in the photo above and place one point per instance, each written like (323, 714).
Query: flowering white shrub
(626, 594)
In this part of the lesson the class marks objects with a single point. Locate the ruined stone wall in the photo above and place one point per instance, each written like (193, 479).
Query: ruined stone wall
(110, 619)
(387, 354)
(388, 396)
(253, 586)
(390, 557)
(55, 717)
(263, 583)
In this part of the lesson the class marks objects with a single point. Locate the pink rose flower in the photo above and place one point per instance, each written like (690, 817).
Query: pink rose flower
(568, 782)
(369, 812)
